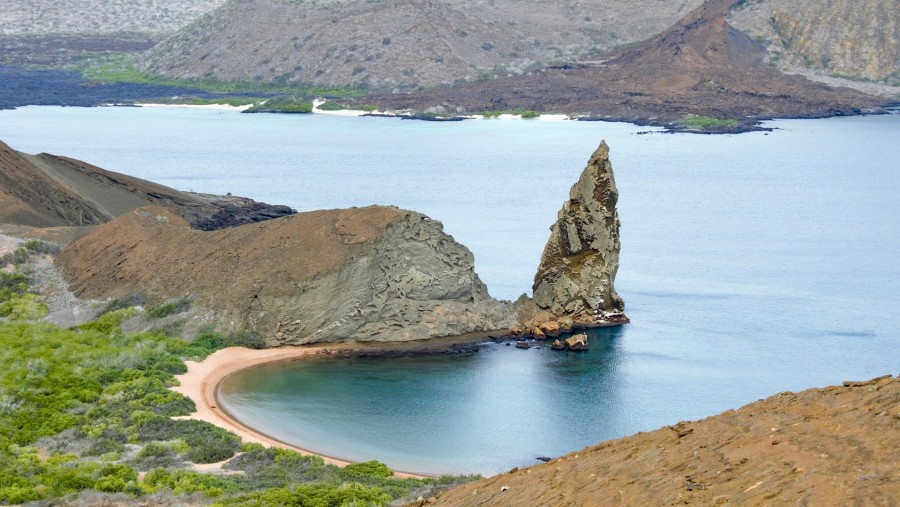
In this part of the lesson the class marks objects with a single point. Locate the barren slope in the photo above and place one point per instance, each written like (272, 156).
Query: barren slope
(94, 17)
(49, 190)
(825, 447)
(701, 65)
(399, 43)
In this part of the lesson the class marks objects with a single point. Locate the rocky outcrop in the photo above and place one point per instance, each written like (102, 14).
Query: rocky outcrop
(365, 274)
(49, 190)
(577, 273)
(832, 446)
(859, 40)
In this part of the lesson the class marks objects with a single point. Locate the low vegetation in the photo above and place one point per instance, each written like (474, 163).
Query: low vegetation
(83, 410)
(282, 105)
(120, 68)
(695, 122)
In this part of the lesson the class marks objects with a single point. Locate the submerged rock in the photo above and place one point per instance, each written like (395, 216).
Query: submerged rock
(577, 342)
(576, 276)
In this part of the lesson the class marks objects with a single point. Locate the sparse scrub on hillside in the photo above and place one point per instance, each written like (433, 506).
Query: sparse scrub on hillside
(75, 403)
(179, 305)
(37, 246)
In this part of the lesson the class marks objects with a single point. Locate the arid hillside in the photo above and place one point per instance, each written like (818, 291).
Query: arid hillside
(701, 66)
(834, 446)
(94, 17)
(400, 44)
(48, 190)
(858, 40)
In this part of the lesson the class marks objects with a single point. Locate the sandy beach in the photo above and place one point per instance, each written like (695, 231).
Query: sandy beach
(201, 383)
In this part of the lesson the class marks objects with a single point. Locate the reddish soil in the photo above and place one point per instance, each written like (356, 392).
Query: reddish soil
(820, 447)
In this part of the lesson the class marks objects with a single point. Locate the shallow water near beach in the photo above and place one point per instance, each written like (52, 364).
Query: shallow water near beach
(751, 264)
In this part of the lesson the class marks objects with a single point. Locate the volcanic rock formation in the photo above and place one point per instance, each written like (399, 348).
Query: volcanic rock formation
(577, 272)
(366, 274)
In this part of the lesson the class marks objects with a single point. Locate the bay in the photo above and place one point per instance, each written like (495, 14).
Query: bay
(751, 264)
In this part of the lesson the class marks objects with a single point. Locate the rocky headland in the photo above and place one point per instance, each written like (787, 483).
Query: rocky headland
(831, 446)
(377, 273)
(366, 274)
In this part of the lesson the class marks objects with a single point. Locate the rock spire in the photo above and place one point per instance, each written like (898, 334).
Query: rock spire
(576, 277)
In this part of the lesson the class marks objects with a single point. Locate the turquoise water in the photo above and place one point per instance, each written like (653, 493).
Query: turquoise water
(751, 264)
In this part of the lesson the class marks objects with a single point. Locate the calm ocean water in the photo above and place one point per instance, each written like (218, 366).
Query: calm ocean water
(751, 264)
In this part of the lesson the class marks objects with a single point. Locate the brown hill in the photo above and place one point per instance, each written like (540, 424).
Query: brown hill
(49, 190)
(701, 66)
(368, 274)
(399, 43)
(833, 446)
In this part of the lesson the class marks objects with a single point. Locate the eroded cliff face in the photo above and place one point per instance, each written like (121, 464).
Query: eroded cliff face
(576, 276)
(366, 274)
(859, 40)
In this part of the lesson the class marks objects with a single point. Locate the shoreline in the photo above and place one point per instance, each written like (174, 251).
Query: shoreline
(202, 380)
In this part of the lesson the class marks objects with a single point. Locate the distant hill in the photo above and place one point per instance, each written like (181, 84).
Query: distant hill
(94, 17)
(400, 43)
(50, 191)
(700, 65)
(850, 38)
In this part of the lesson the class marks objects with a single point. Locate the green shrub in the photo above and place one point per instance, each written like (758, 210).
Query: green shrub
(695, 122)
(41, 247)
(330, 106)
(366, 469)
(530, 114)
(133, 300)
(24, 307)
(312, 496)
(18, 256)
(208, 443)
(282, 105)
(491, 114)
(179, 305)
(13, 284)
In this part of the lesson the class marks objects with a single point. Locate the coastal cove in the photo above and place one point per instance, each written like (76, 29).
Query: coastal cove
(751, 264)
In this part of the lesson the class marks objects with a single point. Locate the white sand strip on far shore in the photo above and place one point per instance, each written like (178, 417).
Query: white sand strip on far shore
(224, 107)
(201, 383)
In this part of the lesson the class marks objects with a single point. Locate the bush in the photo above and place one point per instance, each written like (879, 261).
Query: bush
(208, 443)
(133, 300)
(368, 469)
(13, 284)
(169, 308)
(41, 247)
(530, 114)
(330, 106)
(18, 256)
(27, 307)
(695, 122)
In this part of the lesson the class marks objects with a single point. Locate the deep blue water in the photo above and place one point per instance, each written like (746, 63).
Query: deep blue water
(751, 264)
